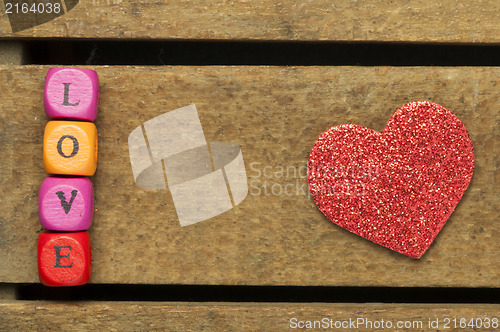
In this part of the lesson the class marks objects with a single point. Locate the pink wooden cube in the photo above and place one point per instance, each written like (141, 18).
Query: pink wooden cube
(71, 93)
(66, 204)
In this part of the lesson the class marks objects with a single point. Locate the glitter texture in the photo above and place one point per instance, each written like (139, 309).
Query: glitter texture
(396, 188)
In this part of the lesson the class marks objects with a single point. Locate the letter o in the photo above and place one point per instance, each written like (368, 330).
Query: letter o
(76, 146)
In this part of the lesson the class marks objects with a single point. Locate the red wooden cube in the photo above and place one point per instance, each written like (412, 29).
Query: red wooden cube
(64, 259)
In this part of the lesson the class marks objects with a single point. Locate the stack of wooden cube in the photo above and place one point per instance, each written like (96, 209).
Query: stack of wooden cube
(66, 200)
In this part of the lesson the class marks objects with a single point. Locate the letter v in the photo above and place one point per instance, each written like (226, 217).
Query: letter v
(66, 206)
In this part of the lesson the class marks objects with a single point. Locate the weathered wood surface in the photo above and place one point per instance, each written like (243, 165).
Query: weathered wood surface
(275, 114)
(360, 20)
(120, 316)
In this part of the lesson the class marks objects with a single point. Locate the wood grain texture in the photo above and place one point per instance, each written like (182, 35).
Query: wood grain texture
(272, 238)
(120, 316)
(359, 20)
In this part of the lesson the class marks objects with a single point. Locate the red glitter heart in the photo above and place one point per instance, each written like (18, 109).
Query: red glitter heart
(396, 188)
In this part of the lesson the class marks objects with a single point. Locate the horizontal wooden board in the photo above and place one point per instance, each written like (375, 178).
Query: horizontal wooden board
(119, 316)
(275, 115)
(360, 20)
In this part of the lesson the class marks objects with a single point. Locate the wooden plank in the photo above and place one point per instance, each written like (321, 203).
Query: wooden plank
(275, 114)
(360, 20)
(120, 316)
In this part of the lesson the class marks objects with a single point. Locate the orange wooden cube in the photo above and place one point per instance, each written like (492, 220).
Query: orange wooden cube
(70, 148)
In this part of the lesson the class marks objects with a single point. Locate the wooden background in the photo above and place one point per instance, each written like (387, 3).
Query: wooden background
(275, 114)
(272, 238)
(139, 316)
(358, 20)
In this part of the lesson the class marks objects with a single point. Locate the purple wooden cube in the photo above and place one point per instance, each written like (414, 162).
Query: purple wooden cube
(71, 93)
(66, 204)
